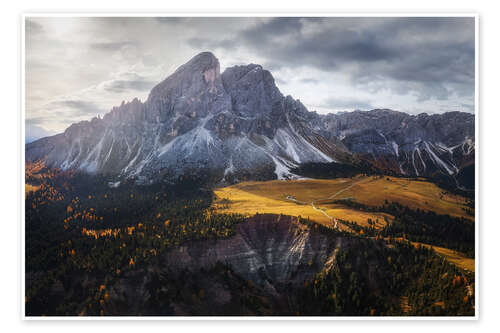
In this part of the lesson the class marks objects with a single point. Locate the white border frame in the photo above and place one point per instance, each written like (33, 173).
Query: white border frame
(22, 120)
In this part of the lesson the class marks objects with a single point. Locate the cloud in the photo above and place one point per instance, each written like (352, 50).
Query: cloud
(200, 43)
(309, 80)
(111, 46)
(347, 104)
(76, 107)
(122, 85)
(411, 64)
(128, 82)
(172, 20)
(280, 81)
(34, 132)
(430, 57)
(467, 107)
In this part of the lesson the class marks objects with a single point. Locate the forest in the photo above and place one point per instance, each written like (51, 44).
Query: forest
(87, 239)
(420, 226)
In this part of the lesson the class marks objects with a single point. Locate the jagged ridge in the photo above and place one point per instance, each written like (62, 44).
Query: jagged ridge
(238, 125)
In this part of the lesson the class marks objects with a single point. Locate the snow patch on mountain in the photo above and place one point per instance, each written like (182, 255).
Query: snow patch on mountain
(437, 159)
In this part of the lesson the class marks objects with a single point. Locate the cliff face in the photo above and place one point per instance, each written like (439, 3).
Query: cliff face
(265, 262)
(231, 124)
(420, 145)
(237, 125)
(267, 249)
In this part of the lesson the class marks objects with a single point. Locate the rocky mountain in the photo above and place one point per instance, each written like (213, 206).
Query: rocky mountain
(422, 145)
(237, 125)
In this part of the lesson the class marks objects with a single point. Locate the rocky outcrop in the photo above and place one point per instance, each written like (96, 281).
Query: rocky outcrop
(267, 249)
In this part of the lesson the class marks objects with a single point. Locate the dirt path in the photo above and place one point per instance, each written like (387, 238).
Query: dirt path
(333, 219)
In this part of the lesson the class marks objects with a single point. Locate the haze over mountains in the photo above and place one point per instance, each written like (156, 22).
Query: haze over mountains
(238, 125)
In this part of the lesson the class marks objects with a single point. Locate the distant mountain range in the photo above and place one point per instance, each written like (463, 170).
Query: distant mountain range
(238, 125)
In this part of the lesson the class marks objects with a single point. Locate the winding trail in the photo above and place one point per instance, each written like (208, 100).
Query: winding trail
(291, 198)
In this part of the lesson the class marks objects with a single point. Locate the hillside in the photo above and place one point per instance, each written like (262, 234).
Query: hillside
(373, 206)
(278, 197)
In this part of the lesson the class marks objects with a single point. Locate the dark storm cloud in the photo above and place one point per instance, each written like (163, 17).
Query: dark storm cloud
(431, 57)
(284, 39)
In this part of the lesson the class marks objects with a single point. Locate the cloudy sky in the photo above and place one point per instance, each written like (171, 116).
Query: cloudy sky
(77, 68)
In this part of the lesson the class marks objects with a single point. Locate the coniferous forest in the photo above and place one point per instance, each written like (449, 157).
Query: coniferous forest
(89, 242)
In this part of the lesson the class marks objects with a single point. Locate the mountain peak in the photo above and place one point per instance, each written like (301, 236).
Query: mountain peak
(204, 56)
(238, 124)
(192, 86)
(201, 62)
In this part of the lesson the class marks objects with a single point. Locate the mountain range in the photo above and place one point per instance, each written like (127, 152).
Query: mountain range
(237, 125)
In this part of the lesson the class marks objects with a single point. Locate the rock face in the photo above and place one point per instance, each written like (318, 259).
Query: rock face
(238, 125)
(269, 258)
(412, 145)
(267, 249)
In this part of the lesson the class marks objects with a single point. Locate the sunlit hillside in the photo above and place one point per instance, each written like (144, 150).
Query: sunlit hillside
(296, 197)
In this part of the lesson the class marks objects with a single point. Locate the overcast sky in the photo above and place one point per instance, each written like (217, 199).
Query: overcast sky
(77, 68)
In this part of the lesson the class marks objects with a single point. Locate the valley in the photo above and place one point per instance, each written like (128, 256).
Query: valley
(219, 195)
(253, 248)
